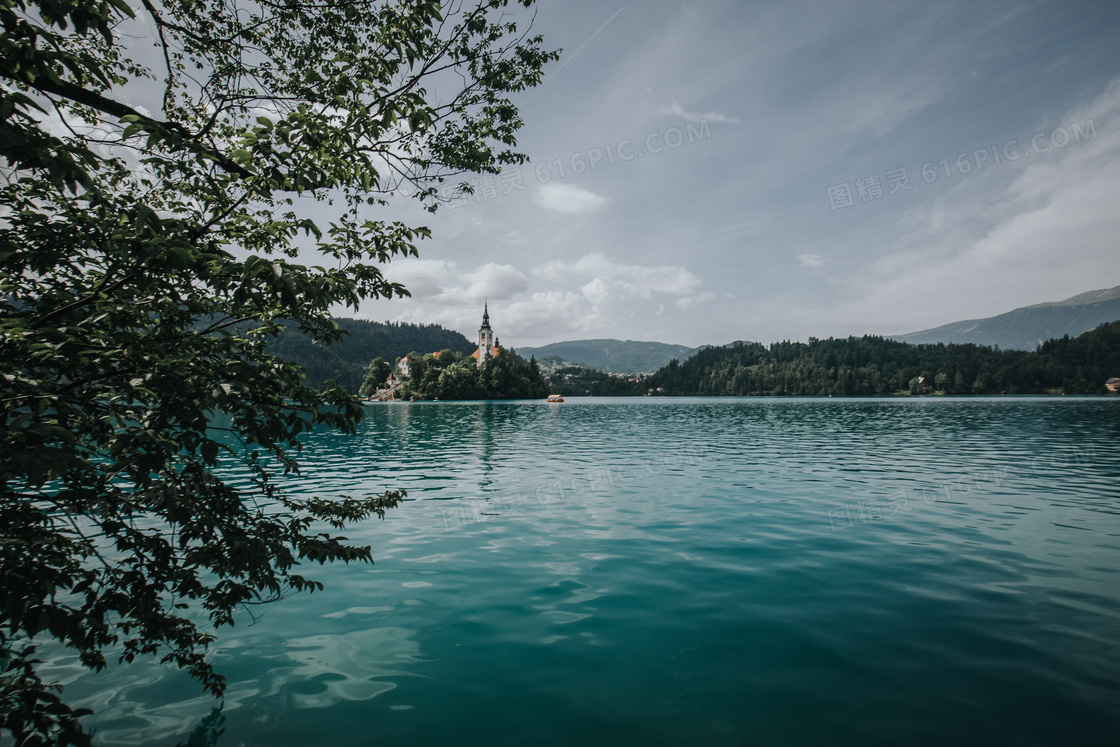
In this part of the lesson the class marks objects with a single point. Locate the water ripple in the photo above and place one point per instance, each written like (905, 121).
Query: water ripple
(654, 571)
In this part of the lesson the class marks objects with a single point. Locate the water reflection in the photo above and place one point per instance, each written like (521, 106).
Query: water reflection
(673, 570)
(209, 729)
(358, 665)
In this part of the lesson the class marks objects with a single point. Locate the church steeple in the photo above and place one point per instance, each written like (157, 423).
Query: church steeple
(486, 343)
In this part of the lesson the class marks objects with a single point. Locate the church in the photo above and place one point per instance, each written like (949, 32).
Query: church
(487, 343)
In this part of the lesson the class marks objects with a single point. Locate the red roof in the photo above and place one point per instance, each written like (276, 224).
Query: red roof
(493, 353)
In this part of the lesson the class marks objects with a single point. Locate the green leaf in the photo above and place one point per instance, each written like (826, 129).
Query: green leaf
(144, 284)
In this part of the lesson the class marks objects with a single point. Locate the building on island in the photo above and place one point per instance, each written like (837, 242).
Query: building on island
(487, 343)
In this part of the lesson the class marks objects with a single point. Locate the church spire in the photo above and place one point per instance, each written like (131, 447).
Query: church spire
(486, 343)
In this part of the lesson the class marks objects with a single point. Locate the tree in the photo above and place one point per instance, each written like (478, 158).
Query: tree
(151, 248)
(376, 375)
(874, 366)
(508, 376)
(459, 380)
(450, 376)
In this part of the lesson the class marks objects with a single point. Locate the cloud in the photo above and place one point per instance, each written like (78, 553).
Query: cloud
(495, 281)
(611, 291)
(810, 260)
(569, 199)
(551, 315)
(1049, 232)
(881, 110)
(447, 285)
(589, 295)
(677, 111)
(626, 280)
(423, 278)
(684, 304)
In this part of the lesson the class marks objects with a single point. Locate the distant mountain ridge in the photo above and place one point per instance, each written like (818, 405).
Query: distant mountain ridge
(1082, 299)
(1028, 327)
(613, 356)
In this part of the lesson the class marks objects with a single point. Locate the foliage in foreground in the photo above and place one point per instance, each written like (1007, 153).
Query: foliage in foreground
(148, 254)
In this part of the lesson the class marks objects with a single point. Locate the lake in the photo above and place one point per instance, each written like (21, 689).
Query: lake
(655, 571)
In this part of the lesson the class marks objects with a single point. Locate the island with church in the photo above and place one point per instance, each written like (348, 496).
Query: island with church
(490, 372)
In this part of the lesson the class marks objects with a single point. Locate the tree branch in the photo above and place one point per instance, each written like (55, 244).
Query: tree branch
(80, 95)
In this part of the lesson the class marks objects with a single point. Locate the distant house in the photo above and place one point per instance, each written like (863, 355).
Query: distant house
(1112, 385)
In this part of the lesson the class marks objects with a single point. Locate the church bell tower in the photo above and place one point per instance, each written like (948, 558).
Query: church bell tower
(485, 337)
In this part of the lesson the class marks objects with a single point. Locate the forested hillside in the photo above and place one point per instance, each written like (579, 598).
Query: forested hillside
(346, 360)
(578, 381)
(873, 365)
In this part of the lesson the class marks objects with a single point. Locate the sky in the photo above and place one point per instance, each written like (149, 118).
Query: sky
(720, 170)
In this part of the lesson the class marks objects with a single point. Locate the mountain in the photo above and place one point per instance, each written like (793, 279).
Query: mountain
(552, 363)
(1028, 327)
(612, 356)
(346, 360)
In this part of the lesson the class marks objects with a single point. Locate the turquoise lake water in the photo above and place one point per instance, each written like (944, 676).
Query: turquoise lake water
(688, 571)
